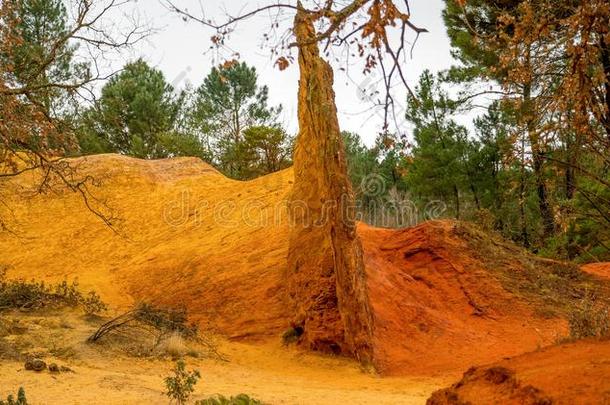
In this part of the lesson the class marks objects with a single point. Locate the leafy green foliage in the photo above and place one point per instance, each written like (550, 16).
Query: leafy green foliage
(376, 174)
(21, 399)
(180, 143)
(40, 73)
(20, 294)
(361, 161)
(438, 167)
(463, 24)
(181, 385)
(227, 104)
(225, 121)
(137, 114)
(263, 150)
(41, 57)
(553, 180)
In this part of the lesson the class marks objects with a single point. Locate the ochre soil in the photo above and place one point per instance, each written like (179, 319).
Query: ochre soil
(268, 371)
(568, 374)
(188, 236)
(597, 269)
(438, 309)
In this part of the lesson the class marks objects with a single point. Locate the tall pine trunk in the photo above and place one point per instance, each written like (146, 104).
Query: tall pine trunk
(544, 206)
(522, 189)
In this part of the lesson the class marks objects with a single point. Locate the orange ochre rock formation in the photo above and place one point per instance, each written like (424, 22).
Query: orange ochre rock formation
(568, 374)
(188, 236)
(325, 278)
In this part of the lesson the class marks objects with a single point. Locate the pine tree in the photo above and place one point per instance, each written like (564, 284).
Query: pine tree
(43, 56)
(228, 102)
(136, 115)
(437, 169)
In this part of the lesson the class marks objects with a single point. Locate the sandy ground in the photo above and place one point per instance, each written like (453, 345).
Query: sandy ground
(574, 373)
(268, 371)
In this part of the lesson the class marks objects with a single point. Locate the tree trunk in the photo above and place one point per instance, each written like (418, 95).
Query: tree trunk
(456, 196)
(475, 195)
(326, 280)
(605, 58)
(548, 221)
(570, 175)
(523, 220)
(538, 164)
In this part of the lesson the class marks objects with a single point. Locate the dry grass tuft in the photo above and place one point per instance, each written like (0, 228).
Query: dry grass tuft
(174, 346)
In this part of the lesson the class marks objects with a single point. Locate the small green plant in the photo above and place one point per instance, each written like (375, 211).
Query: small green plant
(181, 384)
(21, 294)
(241, 399)
(92, 304)
(588, 319)
(21, 400)
(169, 320)
(292, 335)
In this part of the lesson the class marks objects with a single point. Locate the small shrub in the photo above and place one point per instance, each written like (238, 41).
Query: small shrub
(21, 399)
(292, 334)
(181, 385)
(241, 399)
(92, 304)
(156, 330)
(21, 294)
(161, 322)
(588, 319)
(169, 320)
(67, 293)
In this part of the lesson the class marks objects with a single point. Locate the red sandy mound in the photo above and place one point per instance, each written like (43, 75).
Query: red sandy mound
(575, 373)
(597, 269)
(191, 237)
(438, 307)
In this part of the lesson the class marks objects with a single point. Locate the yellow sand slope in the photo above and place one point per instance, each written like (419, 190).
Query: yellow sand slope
(183, 229)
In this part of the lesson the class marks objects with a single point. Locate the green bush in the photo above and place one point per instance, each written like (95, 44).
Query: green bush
(92, 304)
(241, 399)
(181, 385)
(21, 294)
(21, 400)
(292, 334)
(169, 320)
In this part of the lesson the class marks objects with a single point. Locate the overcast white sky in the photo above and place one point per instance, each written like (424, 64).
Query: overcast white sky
(178, 49)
